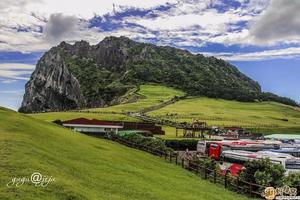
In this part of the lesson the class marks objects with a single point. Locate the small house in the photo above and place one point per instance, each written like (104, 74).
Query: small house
(93, 126)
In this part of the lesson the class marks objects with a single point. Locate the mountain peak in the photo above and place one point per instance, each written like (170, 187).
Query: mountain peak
(84, 75)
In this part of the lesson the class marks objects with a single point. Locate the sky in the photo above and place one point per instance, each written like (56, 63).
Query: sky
(260, 37)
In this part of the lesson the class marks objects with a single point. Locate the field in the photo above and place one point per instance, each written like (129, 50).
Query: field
(149, 95)
(264, 117)
(260, 116)
(88, 168)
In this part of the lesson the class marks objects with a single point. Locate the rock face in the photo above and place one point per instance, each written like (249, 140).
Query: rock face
(83, 75)
(52, 87)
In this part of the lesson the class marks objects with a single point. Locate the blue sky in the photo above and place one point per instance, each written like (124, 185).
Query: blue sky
(260, 37)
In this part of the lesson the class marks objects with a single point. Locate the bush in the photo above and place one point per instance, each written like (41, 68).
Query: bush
(293, 180)
(151, 142)
(58, 121)
(263, 172)
(182, 145)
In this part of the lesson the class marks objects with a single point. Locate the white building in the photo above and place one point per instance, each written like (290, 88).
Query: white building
(92, 126)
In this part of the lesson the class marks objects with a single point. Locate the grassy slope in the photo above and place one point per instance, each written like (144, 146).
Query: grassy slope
(150, 95)
(88, 168)
(219, 112)
(227, 113)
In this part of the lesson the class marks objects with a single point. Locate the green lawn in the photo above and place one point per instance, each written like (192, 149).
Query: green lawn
(266, 115)
(88, 168)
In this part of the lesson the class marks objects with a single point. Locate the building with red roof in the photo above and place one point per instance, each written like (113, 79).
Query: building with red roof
(92, 126)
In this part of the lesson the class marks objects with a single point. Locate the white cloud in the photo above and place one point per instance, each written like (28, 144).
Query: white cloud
(86, 9)
(188, 23)
(8, 81)
(293, 52)
(18, 75)
(11, 91)
(15, 71)
(13, 66)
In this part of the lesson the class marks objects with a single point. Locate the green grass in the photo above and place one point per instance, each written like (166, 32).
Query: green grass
(150, 95)
(51, 116)
(89, 168)
(266, 115)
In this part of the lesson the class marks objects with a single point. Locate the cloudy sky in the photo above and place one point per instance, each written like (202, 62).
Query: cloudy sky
(260, 37)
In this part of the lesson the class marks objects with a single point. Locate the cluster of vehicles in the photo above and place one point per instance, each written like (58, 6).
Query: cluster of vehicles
(233, 154)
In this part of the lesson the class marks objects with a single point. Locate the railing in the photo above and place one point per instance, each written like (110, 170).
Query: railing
(216, 176)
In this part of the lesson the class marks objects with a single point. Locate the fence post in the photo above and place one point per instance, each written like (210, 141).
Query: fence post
(215, 176)
(237, 184)
(170, 157)
(225, 180)
(176, 159)
(182, 163)
(205, 172)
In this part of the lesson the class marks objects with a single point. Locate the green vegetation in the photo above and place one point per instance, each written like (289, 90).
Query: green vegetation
(51, 116)
(263, 172)
(267, 117)
(109, 69)
(149, 95)
(88, 168)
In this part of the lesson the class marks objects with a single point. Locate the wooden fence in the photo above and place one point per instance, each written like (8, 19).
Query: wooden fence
(229, 182)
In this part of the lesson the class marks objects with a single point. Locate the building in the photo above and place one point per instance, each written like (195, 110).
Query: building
(95, 127)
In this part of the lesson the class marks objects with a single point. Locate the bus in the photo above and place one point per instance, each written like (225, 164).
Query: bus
(213, 149)
(289, 162)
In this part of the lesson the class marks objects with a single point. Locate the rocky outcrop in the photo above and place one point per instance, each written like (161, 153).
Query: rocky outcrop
(52, 87)
(84, 76)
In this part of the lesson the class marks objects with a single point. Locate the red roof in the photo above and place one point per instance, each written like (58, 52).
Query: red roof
(84, 121)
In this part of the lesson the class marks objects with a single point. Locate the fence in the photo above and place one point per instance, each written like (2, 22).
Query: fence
(229, 182)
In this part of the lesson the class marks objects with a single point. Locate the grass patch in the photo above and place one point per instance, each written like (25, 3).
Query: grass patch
(89, 168)
(268, 117)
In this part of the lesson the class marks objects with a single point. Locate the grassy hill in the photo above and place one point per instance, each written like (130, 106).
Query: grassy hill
(149, 95)
(265, 117)
(88, 168)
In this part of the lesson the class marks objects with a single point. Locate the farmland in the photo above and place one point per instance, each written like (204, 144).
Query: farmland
(88, 168)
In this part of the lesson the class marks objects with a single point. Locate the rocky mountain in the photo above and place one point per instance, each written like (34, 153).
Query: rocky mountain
(84, 76)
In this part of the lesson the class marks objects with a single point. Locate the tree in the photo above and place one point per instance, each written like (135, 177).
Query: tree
(263, 172)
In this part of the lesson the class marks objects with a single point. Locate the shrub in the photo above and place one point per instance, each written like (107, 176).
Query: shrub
(263, 172)
(182, 145)
(293, 180)
(150, 142)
